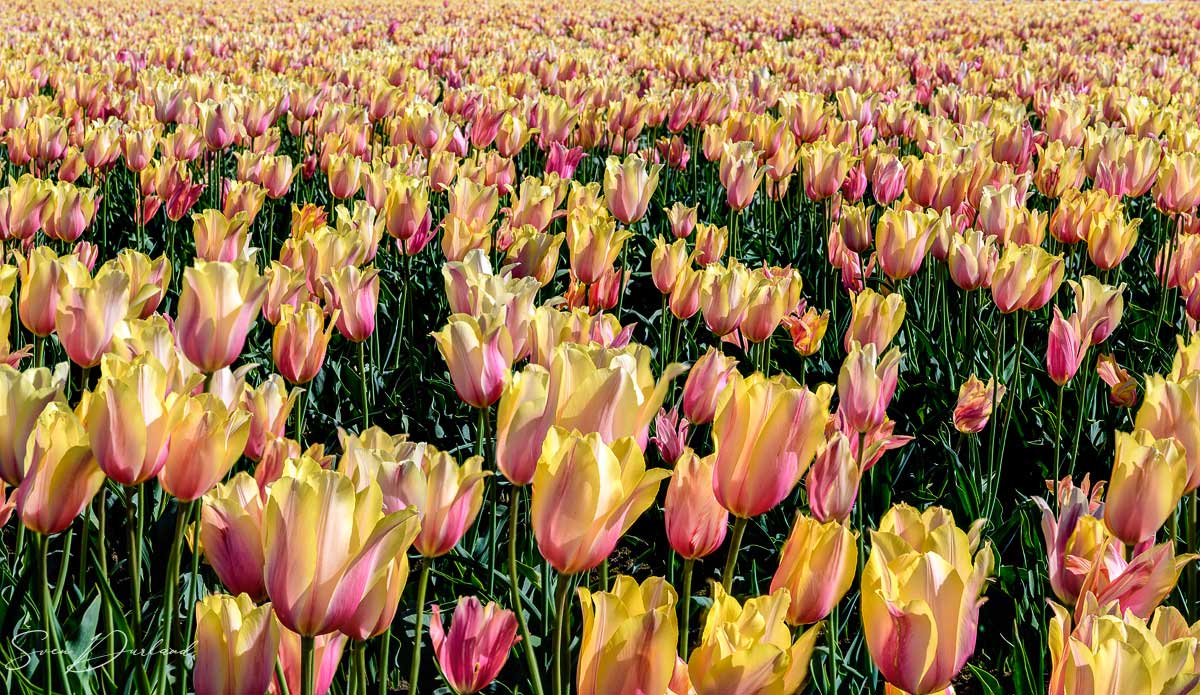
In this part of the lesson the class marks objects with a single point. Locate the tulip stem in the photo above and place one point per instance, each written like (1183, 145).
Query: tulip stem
(183, 514)
(102, 546)
(385, 656)
(52, 655)
(1058, 437)
(306, 664)
(362, 382)
(303, 405)
(515, 590)
(134, 514)
(280, 678)
(63, 566)
(685, 605)
(198, 507)
(414, 669)
(735, 545)
(560, 622)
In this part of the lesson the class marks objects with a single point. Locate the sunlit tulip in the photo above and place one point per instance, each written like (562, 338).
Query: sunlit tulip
(476, 648)
(1148, 479)
(1111, 239)
(586, 495)
(854, 226)
(921, 594)
(833, 479)
(748, 649)
(447, 496)
(740, 174)
(1098, 308)
(684, 300)
(406, 209)
(1065, 349)
(628, 187)
(269, 404)
(817, 566)
(807, 330)
(69, 211)
(326, 544)
(902, 239)
(1171, 409)
(207, 440)
(705, 384)
(666, 262)
(1123, 389)
(594, 242)
(218, 303)
(972, 260)
(230, 533)
(1026, 277)
(711, 242)
(682, 220)
(975, 403)
(866, 384)
(354, 293)
(825, 166)
(148, 280)
(88, 312)
(534, 254)
(22, 207)
(377, 609)
(523, 418)
(479, 355)
(327, 653)
(765, 434)
(221, 238)
(696, 523)
(299, 342)
(236, 646)
(38, 301)
(23, 397)
(724, 296)
(59, 475)
(1177, 188)
(629, 637)
(875, 319)
(1076, 533)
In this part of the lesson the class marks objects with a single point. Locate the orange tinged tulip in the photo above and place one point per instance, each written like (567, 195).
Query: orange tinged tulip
(817, 566)
(208, 439)
(1026, 277)
(593, 243)
(38, 301)
(1149, 478)
(218, 303)
(1123, 390)
(269, 405)
(724, 296)
(740, 174)
(59, 475)
(1171, 409)
(300, 340)
(1110, 239)
(833, 479)
(220, 237)
(902, 239)
(696, 523)
(666, 262)
(974, 406)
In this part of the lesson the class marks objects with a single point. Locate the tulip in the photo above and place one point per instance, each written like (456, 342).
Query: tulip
(69, 211)
(724, 296)
(230, 533)
(866, 384)
(740, 174)
(326, 544)
(824, 166)
(1177, 188)
(1111, 239)
(711, 242)
(1123, 391)
(593, 244)
(854, 227)
(1149, 478)
(236, 646)
(446, 495)
(628, 187)
(23, 397)
(406, 209)
(629, 637)
(1098, 308)
(479, 355)
(218, 303)
(208, 439)
(534, 254)
(88, 312)
(874, 319)
(817, 567)
(920, 593)
(705, 384)
(269, 404)
(586, 495)
(1137, 586)
(684, 300)
(523, 418)
(682, 220)
(221, 238)
(22, 206)
(327, 652)
(148, 281)
(1065, 350)
(1171, 409)
(902, 239)
(972, 260)
(766, 305)
(807, 330)
(1026, 277)
(476, 648)
(59, 474)
(1076, 534)
(833, 479)
(748, 649)
(666, 262)
(38, 301)
(354, 293)
(300, 340)
(975, 403)
(765, 434)
(696, 523)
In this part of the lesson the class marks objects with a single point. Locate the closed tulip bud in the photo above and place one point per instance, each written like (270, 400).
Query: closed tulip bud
(1065, 349)
(231, 535)
(534, 254)
(875, 319)
(696, 523)
(353, 293)
(576, 527)
(887, 180)
(902, 239)
(765, 434)
(1110, 240)
(724, 296)
(1123, 391)
(629, 638)
(975, 403)
(479, 355)
(593, 243)
(1026, 277)
(866, 384)
(1149, 478)
(446, 495)
(327, 545)
(300, 340)
(345, 176)
(59, 475)
(148, 281)
(684, 300)
(817, 566)
(236, 646)
(218, 303)
(476, 648)
(711, 242)
(766, 305)
(748, 649)
(666, 262)
(137, 147)
(69, 211)
(921, 594)
(407, 207)
(833, 479)
(23, 397)
(682, 219)
(38, 300)
(972, 259)
(88, 312)
(705, 384)
(208, 439)
(217, 120)
(740, 174)
(269, 404)
(854, 226)
(1171, 409)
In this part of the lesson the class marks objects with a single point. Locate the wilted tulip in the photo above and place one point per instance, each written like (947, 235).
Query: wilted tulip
(325, 544)
(300, 340)
(59, 475)
(23, 397)
(207, 440)
(628, 187)
(1123, 391)
(765, 434)
(476, 648)
(875, 319)
(230, 533)
(218, 303)
(577, 527)
(975, 403)
(629, 638)
(748, 649)
(817, 567)
(236, 646)
(921, 594)
(696, 523)
(1148, 479)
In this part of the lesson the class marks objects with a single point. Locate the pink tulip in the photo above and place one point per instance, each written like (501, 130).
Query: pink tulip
(477, 646)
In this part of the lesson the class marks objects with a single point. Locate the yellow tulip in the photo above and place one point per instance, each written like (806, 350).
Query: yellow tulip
(236, 646)
(629, 638)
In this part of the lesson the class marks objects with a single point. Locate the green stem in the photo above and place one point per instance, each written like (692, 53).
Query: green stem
(1058, 437)
(685, 608)
(414, 669)
(307, 679)
(134, 515)
(301, 407)
(63, 566)
(560, 616)
(362, 382)
(735, 545)
(385, 657)
(514, 588)
(169, 608)
(189, 622)
(280, 678)
(102, 542)
(53, 657)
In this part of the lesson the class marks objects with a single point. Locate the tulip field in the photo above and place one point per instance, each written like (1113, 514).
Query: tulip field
(619, 348)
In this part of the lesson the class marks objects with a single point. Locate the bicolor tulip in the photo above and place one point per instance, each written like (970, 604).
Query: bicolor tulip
(479, 355)
(725, 296)
(327, 653)
(875, 319)
(218, 303)
(740, 174)
(353, 292)
(817, 567)
(1110, 239)
(972, 259)
(230, 532)
(593, 243)
(59, 475)
(682, 220)
(473, 652)
(902, 239)
(666, 262)
(975, 403)
(38, 301)
(23, 397)
(221, 238)
(1075, 535)
(866, 384)
(1026, 277)
(447, 496)
(1148, 479)
(300, 340)
(629, 638)
(207, 440)
(1065, 349)
(696, 523)
(236, 646)
(628, 187)
(269, 404)
(88, 312)
(834, 478)
(1171, 409)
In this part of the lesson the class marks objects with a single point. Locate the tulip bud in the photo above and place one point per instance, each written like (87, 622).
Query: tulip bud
(231, 535)
(354, 294)
(1065, 350)
(60, 475)
(866, 384)
(705, 384)
(696, 523)
(218, 303)
(833, 479)
(476, 648)
(682, 220)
